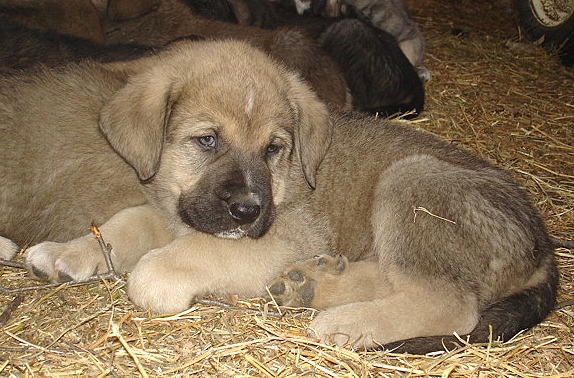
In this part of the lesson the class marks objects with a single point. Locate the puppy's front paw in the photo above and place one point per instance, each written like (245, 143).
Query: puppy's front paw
(160, 285)
(298, 286)
(61, 262)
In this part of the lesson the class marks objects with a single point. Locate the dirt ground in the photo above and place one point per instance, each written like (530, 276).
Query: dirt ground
(492, 92)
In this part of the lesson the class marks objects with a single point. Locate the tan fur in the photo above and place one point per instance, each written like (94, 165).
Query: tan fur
(432, 237)
(7, 248)
(147, 109)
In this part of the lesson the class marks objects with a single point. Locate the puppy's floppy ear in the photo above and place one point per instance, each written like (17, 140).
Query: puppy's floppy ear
(313, 131)
(135, 119)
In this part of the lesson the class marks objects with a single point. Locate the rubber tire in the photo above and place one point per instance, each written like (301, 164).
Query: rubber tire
(559, 38)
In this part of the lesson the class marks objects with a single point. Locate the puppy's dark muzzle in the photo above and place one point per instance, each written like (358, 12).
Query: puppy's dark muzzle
(232, 207)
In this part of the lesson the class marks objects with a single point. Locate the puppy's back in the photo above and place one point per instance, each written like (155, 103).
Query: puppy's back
(52, 147)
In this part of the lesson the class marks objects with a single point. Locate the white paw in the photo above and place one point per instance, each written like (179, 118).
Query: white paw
(8, 248)
(424, 74)
(40, 260)
(61, 262)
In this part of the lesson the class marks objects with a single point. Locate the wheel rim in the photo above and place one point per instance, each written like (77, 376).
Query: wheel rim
(552, 13)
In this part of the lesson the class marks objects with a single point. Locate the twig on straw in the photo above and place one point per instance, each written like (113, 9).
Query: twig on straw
(216, 303)
(91, 279)
(12, 306)
(569, 302)
(12, 264)
(106, 250)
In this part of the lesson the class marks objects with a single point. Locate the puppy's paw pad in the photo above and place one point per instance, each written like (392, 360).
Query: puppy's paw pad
(63, 276)
(331, 264)
(39, 274)
(297, 287)
(293, 289)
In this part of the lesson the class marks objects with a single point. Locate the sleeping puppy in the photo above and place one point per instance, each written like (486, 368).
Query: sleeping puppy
(380, 77)
(213, 169)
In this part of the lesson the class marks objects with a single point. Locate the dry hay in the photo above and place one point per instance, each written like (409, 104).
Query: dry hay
(513, 107)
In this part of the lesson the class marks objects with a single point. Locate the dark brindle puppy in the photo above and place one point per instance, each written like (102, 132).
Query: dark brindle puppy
(212, 169)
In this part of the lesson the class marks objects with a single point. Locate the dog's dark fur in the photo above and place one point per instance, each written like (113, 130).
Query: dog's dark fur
(379, 75)
(395, 88)
(71, 17)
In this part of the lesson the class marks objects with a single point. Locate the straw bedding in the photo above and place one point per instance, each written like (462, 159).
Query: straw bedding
(505, 99)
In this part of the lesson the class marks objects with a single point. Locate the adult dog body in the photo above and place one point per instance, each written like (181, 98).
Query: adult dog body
(213, 138)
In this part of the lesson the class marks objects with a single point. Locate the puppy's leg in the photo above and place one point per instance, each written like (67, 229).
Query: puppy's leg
(420, 309)
(169, 278)
(326, 281)
(131, 232)
(366, 307)
(8, 248)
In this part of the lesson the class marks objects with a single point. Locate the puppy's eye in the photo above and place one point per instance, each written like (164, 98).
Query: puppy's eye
(273, 149)
(207, 141)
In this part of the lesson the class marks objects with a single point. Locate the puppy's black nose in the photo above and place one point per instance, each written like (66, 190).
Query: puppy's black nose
(244, 213)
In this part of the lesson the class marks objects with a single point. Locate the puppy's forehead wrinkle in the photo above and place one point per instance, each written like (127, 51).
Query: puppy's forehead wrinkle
(250, 103)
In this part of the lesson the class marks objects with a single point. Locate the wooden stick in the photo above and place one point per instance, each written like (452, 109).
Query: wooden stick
(106, 250)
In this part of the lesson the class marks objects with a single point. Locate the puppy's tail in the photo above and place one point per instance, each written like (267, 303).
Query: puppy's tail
(501, 320)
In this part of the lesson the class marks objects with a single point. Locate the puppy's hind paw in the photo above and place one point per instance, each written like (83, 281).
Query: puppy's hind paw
(298, 286)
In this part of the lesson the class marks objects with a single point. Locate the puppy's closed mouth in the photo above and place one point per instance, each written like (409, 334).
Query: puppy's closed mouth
(236, 233)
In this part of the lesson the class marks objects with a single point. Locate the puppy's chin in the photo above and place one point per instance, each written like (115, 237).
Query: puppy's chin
(237, 233)
(182, 229)
(241, 231)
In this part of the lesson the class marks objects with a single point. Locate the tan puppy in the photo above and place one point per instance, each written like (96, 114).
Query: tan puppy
(160, 120)
(214, 170)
